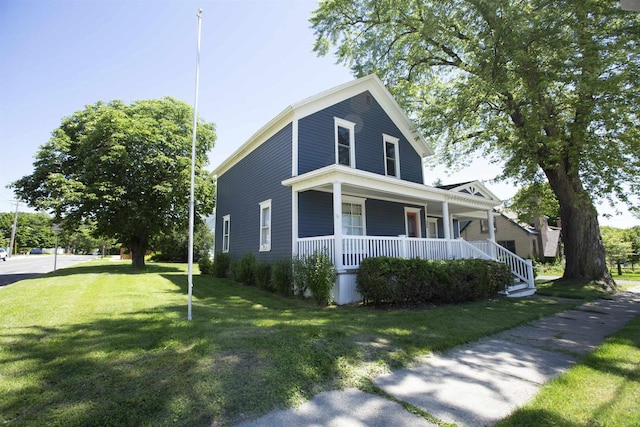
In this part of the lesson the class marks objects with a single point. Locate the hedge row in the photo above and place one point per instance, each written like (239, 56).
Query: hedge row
(415, 281)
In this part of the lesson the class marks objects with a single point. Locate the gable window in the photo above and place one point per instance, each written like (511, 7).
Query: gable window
(345, 142)
(353, 218)
(391, 157)
(484, 228)
(265, 226)
(226, 224)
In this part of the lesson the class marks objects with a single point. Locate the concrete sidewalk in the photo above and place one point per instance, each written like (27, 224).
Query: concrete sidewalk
(476, 384)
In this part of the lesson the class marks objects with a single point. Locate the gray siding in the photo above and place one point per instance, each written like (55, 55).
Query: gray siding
(316, 138)
(254, 179)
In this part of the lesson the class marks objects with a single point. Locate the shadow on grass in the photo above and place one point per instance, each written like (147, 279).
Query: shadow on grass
(245, 353)
(579, 289)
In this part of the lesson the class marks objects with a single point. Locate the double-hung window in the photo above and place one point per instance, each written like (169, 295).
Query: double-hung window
(353, 217)
(345, 142)
(391, 156)
(226, 225)
(265, 225)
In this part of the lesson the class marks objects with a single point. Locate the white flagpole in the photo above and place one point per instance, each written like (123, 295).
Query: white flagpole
(193, 169)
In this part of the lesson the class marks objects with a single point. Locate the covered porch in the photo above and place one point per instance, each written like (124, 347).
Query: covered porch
(352, 214)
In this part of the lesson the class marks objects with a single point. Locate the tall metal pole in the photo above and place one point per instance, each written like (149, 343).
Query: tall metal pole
(13, 230)
(193, 169)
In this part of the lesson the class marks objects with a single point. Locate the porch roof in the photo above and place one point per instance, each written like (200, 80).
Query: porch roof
(361, 183)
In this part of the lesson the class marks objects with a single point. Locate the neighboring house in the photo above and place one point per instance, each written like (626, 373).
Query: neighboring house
(342, 172)
(520, 239)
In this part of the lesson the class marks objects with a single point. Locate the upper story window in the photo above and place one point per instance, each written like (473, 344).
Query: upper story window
(265, 225)
(345, 142)
(226, 226)
(391, 156)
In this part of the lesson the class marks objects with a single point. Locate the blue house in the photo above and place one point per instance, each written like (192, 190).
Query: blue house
(342, 172)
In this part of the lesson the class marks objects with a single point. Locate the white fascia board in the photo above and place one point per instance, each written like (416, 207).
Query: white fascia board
(380, 183)
(262, 135)
(484, 190)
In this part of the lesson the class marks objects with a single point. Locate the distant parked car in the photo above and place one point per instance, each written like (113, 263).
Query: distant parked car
(36, 251)
(3, 254)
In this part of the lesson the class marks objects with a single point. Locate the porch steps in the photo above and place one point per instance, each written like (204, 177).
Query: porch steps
(519, 289)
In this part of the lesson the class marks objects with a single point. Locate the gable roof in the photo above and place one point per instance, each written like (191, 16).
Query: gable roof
(325, 99)
(475, 188)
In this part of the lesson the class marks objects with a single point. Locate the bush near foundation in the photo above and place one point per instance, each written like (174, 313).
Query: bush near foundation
(414, 281)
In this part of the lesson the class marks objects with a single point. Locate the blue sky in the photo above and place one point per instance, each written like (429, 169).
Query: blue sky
(256, 58)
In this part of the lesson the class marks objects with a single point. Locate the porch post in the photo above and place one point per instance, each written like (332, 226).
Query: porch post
(446, 221)
(492, 233)
(337, 225)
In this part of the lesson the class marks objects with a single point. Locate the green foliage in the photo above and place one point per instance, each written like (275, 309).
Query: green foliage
(281, 276)
(245, 270)
(206, 266)
(315, 274)
(263, 276)
(33, 230)
(618, 244)
(535, 201)
(221, 265)
(548, 89)
(125, 167)
(173, 245)
(415, 281)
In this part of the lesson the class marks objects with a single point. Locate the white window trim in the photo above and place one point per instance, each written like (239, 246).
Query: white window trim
(415, 211)
(395, 141)
(265, 246)
(226, 219)
(431, 220)
(352, 139)
(357, 201)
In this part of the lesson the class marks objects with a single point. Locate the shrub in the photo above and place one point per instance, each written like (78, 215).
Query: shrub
(315, 274)
(245, 271)
(281, 277)
(402, 281)
(263, 275)
(206, 265)
(221, 265)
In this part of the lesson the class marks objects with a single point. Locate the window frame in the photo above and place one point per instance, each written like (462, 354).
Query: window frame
(350, 126)
(265, 246)
(354, 201)
(484, 227)
(388, 139)
(226, 233)
(432, 220)
(416, 213)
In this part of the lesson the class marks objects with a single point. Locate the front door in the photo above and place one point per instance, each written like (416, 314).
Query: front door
(412, 224)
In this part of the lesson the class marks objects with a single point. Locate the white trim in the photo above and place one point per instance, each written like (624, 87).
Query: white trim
(355, 201)
(265, 246)
(338, 122)
(226, 219)
(396, 142)
(474, 187)
(294, 147)
(415, 211)
(294, 222)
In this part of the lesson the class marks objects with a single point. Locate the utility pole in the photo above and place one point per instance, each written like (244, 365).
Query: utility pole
(13, 229)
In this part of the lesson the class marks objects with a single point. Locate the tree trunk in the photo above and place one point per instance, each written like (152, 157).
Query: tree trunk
(584, 250)
(138, 249)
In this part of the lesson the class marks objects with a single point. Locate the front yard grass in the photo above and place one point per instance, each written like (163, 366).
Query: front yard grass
(103, 344)
(602, 390)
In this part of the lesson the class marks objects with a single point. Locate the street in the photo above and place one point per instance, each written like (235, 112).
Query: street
(21, 267)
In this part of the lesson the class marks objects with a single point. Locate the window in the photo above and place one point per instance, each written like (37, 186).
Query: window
(432, 228)
(345, 142)
(265, 226)
(391, 156)
(509, 245)
(484, 228)
(353, 217)
(226, 224)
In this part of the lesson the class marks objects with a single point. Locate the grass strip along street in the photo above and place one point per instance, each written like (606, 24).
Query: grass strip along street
(104, 344)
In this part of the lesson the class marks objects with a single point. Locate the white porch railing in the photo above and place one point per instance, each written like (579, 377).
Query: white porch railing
(357, 248)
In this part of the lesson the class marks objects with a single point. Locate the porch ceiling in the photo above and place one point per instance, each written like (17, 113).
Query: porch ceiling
(369, 185)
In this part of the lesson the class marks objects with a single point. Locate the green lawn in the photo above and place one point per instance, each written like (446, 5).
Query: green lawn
(102, 344)
(602, 390)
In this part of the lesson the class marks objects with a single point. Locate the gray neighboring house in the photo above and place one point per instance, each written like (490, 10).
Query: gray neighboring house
(342, 172)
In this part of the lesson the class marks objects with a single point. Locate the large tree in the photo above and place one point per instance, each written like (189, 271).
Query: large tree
(545, 87)
(125, 168)
(535, 201)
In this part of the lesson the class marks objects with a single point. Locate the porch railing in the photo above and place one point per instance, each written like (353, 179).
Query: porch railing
(357, 248)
